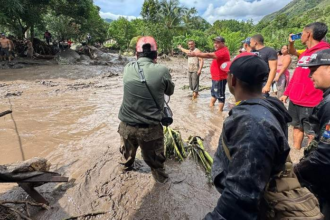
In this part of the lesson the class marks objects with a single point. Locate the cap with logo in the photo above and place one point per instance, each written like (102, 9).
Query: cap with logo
(247, 67)
(219, 39)
(319, 58)
(146, 40)
(3, 34)
(247, 41)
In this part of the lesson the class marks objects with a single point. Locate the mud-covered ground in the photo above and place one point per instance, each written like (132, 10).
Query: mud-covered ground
(68, 114)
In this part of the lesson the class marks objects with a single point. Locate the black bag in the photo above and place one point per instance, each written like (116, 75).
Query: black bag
(166, 112)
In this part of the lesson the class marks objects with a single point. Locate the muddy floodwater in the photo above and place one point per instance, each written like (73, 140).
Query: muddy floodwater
(68, 114)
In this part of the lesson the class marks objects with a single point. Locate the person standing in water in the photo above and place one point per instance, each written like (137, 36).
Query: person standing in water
(195, 66)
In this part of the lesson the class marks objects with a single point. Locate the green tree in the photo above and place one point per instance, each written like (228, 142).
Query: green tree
(122, 31)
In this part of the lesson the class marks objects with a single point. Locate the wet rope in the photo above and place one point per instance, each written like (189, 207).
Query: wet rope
(16, 129)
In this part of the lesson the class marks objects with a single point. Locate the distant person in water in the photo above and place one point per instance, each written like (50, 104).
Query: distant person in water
(195, 66)
(219, 77)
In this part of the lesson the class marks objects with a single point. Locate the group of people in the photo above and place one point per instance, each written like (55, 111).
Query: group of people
(253, 147)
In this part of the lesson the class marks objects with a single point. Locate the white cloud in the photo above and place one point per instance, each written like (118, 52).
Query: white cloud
(115, 16)
(243, 9)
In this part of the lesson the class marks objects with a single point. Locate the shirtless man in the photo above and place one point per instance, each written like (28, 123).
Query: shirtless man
(5, 47)
(195, 66)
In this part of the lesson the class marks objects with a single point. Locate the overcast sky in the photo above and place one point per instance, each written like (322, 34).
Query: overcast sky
(208, 9)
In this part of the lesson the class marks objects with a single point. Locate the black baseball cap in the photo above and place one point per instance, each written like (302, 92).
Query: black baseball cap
(319, 58)
(247, 67)
(220, 39)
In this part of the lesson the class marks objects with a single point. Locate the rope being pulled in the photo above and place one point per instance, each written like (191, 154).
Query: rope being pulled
(5, 113)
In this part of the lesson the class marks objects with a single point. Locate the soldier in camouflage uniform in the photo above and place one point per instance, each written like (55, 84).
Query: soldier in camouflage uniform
(140, 117)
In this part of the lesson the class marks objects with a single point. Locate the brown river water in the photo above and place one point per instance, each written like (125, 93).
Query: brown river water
(68, 114)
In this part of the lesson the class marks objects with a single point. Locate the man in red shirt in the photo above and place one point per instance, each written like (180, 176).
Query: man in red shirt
(219, 77)
(303, 96)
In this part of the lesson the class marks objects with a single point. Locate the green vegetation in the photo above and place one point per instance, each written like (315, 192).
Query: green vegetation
(167, 21)
(172, 24)
(176, 148)
(63, 18)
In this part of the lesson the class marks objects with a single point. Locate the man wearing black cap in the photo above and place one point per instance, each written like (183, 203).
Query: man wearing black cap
(219, 77)
(253, 145)
(314, 169)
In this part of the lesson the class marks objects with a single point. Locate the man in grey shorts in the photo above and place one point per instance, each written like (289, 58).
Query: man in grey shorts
(195, 66)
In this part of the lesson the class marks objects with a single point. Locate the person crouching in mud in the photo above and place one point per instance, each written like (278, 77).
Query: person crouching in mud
(139, 115)
(253, 145)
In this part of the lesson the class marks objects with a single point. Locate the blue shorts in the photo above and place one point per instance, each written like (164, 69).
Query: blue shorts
(218, 90)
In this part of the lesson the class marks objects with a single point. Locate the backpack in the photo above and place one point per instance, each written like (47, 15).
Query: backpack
(284, 198)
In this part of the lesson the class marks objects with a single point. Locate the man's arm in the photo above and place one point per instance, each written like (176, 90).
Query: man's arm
(183, 50)
(202, 55)
(272, 73)
(169, 89)
(292, 49)
(9, 45)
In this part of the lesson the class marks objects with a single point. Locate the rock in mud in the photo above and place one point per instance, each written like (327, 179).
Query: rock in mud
(10, 94)
(84, 59)
(34, 164)
(67, 57)
(48, 83)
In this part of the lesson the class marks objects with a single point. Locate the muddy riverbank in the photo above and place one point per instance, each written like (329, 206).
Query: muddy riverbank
(68, 114)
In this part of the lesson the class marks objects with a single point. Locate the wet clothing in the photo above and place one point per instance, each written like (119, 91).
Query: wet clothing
(222, 56)
(4, 52)
(193, 67)
(151, 141)
(314, 170)
(138, 107)
(218, 90)
(301, 90)
(193, 63)
(140, 117)
(300, 117)
(256, 136)
(193, 81)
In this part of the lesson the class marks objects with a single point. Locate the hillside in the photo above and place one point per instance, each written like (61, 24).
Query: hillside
(298, 7)
(108, 20)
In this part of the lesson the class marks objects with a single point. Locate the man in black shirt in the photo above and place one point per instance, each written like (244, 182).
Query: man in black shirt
(269, 55)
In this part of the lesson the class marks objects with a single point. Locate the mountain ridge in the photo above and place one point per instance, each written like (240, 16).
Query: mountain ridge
(297, 7)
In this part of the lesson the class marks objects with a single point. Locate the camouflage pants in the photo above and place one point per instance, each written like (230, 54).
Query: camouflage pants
(151, 141)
